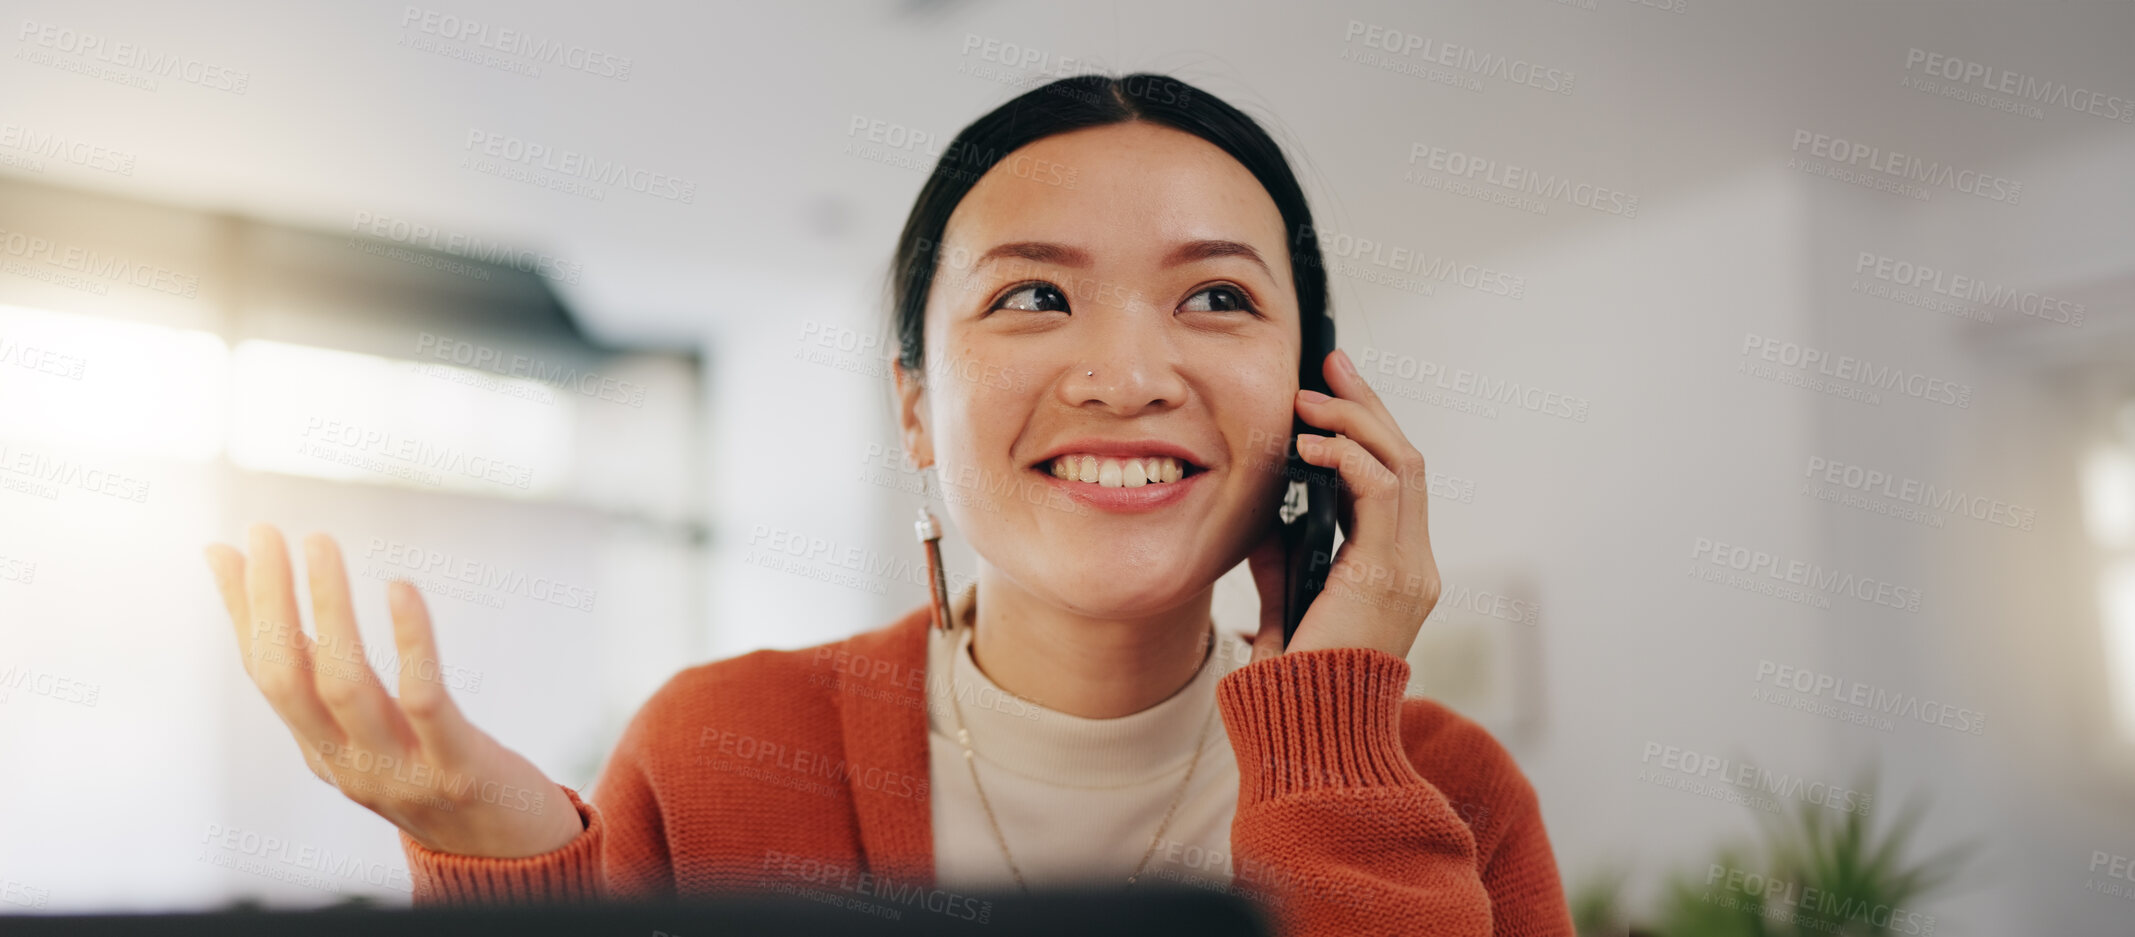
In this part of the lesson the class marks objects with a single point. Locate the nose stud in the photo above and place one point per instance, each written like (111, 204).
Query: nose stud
(1089, 374)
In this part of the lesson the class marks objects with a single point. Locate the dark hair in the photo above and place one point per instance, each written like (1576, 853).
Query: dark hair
(1075, 103)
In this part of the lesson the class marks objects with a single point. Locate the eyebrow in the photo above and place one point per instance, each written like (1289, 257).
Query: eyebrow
(1207, 250)
(1065, 256)
(1059, 255)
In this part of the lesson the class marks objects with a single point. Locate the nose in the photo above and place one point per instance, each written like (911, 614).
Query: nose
(1125, 362)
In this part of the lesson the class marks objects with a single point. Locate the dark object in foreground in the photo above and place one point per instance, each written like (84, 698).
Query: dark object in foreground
(829, 913)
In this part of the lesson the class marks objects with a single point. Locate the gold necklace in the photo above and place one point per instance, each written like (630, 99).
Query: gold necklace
(963, 737)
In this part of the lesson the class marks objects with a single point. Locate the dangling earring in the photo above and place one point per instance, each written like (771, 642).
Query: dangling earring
(929, 532)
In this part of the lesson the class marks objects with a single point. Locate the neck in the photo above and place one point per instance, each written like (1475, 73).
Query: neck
(1092, 667)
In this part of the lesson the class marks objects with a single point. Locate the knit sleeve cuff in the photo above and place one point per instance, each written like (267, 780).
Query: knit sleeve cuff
(571, 872)
(1314, 720)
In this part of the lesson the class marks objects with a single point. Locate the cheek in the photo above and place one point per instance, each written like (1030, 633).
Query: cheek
(1260, 404)
(980, 418)
(979, 410)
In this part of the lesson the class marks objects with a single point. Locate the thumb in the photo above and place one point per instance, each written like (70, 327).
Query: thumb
(1269, 574)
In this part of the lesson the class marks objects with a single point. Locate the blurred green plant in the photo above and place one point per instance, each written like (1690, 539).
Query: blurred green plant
(1597, 906)
(1820, 873)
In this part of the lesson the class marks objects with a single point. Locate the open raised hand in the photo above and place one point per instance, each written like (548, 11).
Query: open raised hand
(414, 759)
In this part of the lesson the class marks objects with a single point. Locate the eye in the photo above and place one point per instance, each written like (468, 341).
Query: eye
(1219, 299)
(1033, 297)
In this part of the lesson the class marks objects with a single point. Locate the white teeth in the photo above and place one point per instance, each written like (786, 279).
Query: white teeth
(1108, 473)
(1118, 473)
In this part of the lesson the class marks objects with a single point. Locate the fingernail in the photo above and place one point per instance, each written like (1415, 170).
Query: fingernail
(1312, 396)
(1343, 357)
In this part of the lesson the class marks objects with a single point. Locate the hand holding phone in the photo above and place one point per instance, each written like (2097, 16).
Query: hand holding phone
(1350, 466)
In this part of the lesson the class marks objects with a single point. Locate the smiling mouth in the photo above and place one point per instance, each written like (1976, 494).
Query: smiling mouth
(1115, 472)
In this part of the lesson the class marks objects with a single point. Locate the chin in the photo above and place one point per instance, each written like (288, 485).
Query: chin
(1117, 585)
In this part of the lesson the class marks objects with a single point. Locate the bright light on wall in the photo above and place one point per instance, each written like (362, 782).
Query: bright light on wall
(2117, 598)
(2109, 515)
(2109, 496)
(344, 416)
(88, 382)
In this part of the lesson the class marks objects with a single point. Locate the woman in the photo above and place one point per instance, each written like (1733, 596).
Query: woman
(1101, 292)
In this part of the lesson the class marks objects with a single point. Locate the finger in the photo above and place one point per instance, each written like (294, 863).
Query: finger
(229, 568)
(1270, 575)
(1352, 418)
(346, 682)
(228, 565)
(1266, 563)
(265, 656)
(1346, 382)
(1404, 458)
(1266, 644)
(1375, 494)
(1358, 420)
(269, 590)
(424, 699)
(280, 652)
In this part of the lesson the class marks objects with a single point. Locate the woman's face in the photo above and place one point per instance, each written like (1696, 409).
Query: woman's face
(1165, 272)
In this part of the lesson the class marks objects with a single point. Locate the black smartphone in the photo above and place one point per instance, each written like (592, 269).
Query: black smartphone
(1308, 510)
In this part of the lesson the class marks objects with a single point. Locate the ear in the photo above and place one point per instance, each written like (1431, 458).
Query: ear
(911, 416)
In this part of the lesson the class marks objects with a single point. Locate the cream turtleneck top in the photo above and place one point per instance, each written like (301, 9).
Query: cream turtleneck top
(1078, 799)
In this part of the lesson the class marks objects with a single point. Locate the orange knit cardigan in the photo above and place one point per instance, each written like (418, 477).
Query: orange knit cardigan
(1359, 811)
